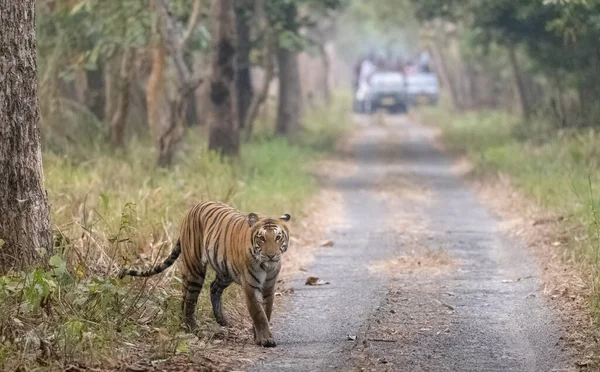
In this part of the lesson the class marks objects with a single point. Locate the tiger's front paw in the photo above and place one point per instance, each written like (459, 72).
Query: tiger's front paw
(264, 339)
(265, 342)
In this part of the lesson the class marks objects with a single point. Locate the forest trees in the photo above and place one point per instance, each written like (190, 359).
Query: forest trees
(284, 15)
(25, 232)
(550, 46)
(133, 67)
(223, 122)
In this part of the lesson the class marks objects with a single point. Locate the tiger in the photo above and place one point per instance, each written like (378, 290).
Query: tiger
(241, 248)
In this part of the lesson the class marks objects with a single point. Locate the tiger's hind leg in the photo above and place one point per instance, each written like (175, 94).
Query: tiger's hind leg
(216, 291)
(192, 285)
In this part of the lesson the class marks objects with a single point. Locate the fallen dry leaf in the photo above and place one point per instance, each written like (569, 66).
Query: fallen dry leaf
(516, 280)
(313, 280)
(583, 363)
(327, 243)
(285, 292)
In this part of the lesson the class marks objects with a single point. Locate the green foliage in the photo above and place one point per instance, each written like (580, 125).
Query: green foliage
(283, 16)
(558, 37)
(88, 31)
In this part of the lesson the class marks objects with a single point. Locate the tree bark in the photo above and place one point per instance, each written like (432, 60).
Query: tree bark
(95, 92)
(224, 120)
(243, 16)
(289, 105)
(441, 63)
(164, 134)
(326, 67)
(261, 95)
(166, 116)
(108, 89)
(519, 83)
(24, 212)
(119, 118)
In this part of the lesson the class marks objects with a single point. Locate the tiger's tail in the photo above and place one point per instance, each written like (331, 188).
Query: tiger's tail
(156, 269)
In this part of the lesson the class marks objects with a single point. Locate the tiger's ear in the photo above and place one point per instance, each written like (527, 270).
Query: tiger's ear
(286, 217)
(252, 219)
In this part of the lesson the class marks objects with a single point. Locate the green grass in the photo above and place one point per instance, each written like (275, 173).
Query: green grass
(117, 208)
(558, 169)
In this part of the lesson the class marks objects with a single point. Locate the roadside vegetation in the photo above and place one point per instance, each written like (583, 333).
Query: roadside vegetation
(556, 168)
(111, 209)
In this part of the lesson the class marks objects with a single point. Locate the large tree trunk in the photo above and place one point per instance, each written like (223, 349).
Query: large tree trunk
(165, 133)
(166, 116)
(191, 110)
(95, 92)
(261, 95)
(224, 121)
(289, 105)
(108, 89)
(24, 212)
(243, 16)
(519, 83)
(119, 118)
(326, 71)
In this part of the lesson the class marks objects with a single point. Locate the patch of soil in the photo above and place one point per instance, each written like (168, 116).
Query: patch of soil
(433, 259)
(403, 187)
(411, 319)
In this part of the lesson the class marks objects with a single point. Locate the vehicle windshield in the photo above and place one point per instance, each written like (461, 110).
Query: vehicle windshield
(387, 79)
(422, 79)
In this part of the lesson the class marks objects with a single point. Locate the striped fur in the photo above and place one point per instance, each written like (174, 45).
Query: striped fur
(241, 248)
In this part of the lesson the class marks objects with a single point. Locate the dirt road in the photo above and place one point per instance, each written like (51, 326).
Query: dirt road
(421, 278)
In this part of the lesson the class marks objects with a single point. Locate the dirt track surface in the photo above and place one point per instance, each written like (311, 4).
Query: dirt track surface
(421, 277)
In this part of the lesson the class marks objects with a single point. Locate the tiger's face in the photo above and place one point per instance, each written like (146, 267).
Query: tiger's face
(270, 238)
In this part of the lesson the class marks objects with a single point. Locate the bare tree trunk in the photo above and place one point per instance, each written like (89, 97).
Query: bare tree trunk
(191, 109)
(289, 106)
(223, 123)
(520, 84)
(108, 89)
(163, 133)
(243, 16)
(119, 118)
(154, 89)
(441, 63)
(190, 106)
(326, 72)
(260, 97)
(166, 116)
(95, 92)
(25, 231)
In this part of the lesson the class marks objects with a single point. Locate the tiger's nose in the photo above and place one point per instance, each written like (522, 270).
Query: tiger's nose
(271, 256)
